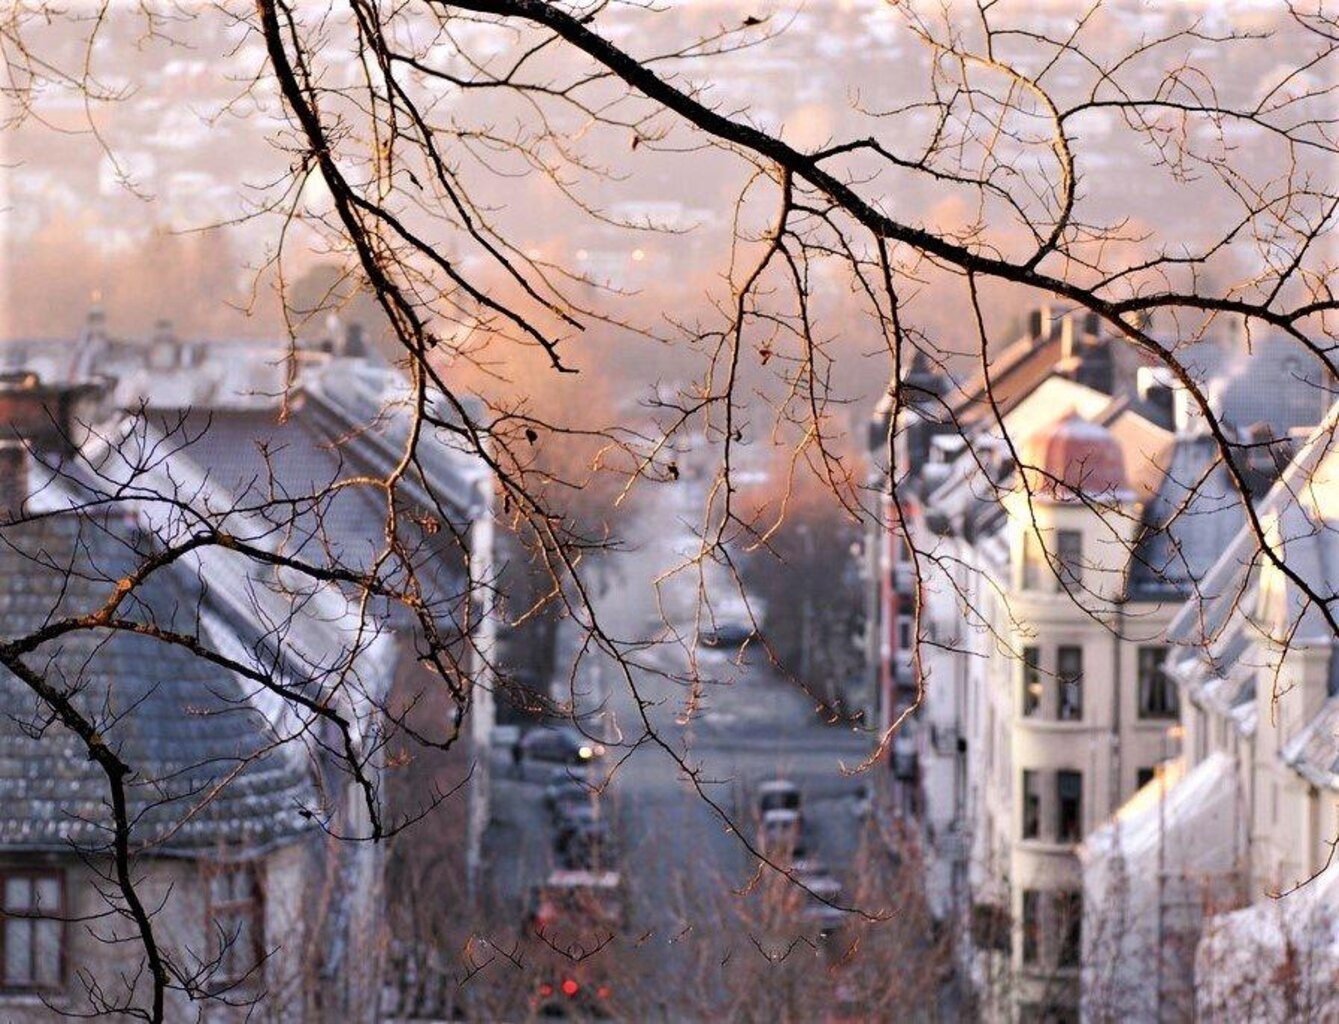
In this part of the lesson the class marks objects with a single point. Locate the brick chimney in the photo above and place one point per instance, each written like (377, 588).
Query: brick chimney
(40, 415)
(39, 418)
(13, 479)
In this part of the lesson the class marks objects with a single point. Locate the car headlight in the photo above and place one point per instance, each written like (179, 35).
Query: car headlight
(585, 753)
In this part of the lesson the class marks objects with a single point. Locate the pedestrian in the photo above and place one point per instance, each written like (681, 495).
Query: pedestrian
(516, 757)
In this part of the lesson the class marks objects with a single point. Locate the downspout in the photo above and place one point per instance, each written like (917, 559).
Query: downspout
(1117, 754)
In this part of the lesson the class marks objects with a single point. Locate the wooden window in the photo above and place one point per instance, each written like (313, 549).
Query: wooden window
(234, 915)
(32, 938)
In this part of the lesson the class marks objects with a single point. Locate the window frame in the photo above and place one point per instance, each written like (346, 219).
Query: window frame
(1034, 689)
(58, 914)
(1029, 918)
(219, 913)
(1030, 804)
(1069, 684)
(1068, 563)
(1159, 699)
(1067, 913)
(1062, 834)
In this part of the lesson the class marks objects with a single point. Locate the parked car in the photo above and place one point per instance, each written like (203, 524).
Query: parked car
(570, 908)
(564, 787)
(582, 839)
(781, 835)
(778, 795)
(727, 632)
(804, 868)
(545, 746)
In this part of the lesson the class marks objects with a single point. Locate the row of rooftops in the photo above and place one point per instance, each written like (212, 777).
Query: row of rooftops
(1267, 393)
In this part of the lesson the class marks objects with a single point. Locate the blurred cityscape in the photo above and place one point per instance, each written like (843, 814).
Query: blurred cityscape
(297, 683)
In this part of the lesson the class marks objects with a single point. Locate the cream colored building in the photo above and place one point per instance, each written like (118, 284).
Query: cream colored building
(1225, 872)
(1044, 598)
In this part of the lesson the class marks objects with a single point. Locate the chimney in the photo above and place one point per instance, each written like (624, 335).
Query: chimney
(355, 342)
(13, 479)
(95, 324)
(43, 416)
(1069, 349)
(164, 352)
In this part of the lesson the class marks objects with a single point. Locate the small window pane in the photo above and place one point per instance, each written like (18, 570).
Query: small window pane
(1031, 805)
(18, 952)
(1032, 684)
(18, 893)
(1069, 790)
(1069, 927)
(1031, 924)
(1069, 677)
(48, 952)
(1158, 696)
(48, 893)
(1069, 556)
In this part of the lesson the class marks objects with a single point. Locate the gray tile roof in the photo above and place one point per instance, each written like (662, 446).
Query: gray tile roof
(206, 774)
(347, 420)
(1188, 524)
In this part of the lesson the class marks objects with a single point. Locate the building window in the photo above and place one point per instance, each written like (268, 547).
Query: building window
(33, 932)
(1034, 560)
(1031, 805)
(234, 917)
(1069, 557)
(1157, 693)
(1032, 684)
(1031, 925)
(1143, 776)
(1069, 680)
(1069, 927)
(1069, 819)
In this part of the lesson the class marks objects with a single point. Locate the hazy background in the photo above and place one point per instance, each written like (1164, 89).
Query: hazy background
(158, 213)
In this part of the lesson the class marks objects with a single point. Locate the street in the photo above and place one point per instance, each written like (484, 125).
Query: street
(689, 739)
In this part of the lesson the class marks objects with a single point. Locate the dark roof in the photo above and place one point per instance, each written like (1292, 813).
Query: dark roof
(1014, 374)
(205, 772)
(1188, 524)
(254, 456)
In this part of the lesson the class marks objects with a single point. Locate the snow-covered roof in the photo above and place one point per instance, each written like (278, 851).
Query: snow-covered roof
(1190, 814)
(1274, 959)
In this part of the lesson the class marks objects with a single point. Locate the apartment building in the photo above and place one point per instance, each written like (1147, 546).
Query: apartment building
(1215, 893)
(1023, 615)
